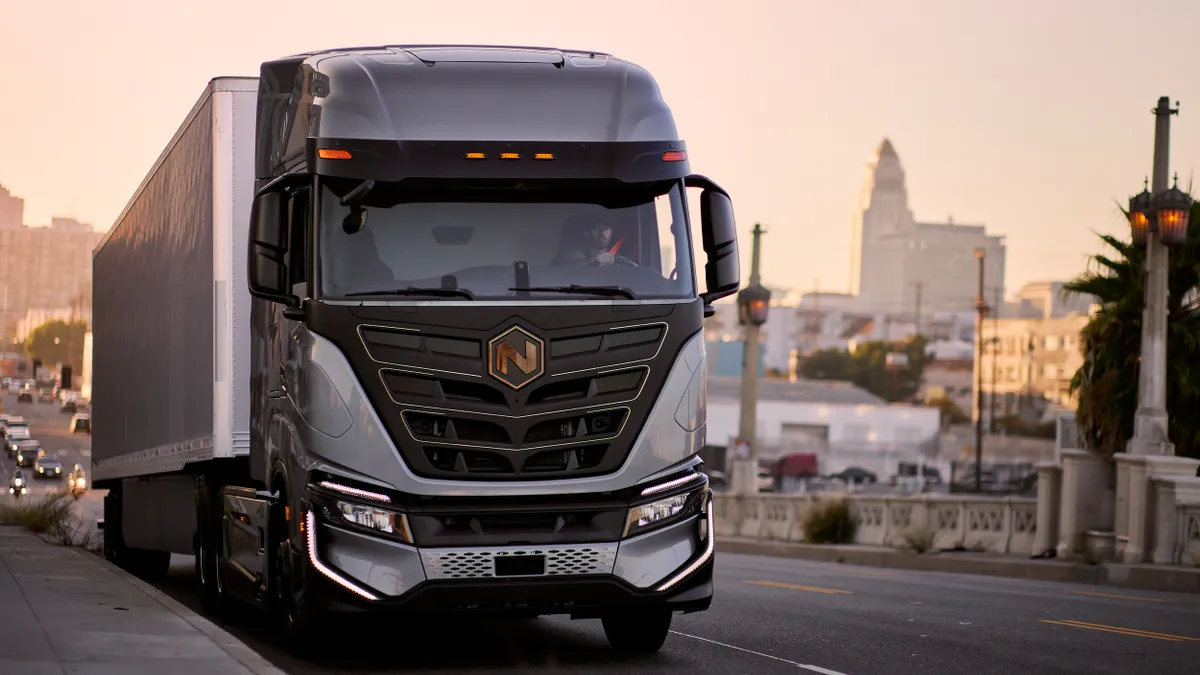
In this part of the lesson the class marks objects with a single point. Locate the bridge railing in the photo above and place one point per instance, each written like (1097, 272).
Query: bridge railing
(975, 523)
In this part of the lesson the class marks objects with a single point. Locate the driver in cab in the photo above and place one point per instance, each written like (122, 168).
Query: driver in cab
(593, 243)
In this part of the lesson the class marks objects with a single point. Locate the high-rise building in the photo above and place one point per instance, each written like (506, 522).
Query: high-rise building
(904, 267)
(42, 268)
(12, 210)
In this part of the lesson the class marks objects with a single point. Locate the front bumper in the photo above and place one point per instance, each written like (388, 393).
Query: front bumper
(666, 568)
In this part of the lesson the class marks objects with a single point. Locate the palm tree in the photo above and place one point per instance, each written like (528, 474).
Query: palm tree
(1107, 382)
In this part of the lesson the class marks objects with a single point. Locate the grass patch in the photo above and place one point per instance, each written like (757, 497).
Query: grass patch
(830, 521)
(53, 514)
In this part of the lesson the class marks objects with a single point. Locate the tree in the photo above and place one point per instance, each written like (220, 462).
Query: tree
(57, 342)
(1107, 383)
(867, 367)
(951, 413)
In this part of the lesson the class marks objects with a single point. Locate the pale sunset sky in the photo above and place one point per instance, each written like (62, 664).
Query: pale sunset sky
(1028, 116)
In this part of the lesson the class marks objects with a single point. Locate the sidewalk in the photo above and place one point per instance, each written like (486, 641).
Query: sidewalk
(64, 610)
(1170, 578)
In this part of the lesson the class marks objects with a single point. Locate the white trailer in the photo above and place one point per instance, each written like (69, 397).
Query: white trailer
(171, 328)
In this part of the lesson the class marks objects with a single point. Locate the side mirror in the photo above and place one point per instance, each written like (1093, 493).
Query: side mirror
(267, 273)
(722, 271)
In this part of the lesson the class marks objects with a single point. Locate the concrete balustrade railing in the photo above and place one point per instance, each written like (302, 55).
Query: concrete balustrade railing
(979, 523)
(1189, 533)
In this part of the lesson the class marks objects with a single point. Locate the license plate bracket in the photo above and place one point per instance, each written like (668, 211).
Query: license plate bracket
(519, 565)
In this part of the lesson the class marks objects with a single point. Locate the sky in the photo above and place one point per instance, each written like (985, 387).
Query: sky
(1029, 116)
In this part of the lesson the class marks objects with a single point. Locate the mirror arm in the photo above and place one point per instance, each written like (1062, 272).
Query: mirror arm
(283, 182)
(703, 182)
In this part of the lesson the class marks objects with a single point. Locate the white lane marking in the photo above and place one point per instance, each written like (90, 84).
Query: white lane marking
(814, 669)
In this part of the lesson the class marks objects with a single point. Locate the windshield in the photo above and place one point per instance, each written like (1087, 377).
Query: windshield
(489, 239)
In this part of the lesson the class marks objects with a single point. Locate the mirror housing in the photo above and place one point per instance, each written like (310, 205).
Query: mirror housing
(267, 274)
(722, 271)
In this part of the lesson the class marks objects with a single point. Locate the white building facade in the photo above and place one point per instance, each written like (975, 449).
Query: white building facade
(901, 266)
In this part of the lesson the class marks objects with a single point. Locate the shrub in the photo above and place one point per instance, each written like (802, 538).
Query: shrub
(47, 515)
(919, 539)
(830, 522)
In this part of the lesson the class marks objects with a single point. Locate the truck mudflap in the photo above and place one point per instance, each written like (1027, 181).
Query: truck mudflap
(667, 568)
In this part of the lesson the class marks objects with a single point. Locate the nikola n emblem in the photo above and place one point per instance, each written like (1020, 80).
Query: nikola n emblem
(516, 357)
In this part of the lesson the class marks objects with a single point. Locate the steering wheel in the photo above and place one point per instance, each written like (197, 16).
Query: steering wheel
(617, 260)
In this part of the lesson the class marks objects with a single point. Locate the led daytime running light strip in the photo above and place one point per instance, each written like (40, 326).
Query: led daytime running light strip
(320, 566)
(663, 487)
(355, 492)
(699, 562)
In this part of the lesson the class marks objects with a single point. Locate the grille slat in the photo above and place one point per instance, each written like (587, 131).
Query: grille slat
(479, 562)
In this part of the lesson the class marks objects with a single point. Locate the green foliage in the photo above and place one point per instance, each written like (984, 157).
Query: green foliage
(69, 348)
(1014, 425)
(47, 515)
(951, 413)
(830, 521)
(867, 367)
(1107, 382)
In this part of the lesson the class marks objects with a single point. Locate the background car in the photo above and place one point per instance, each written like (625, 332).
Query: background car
(48, 468)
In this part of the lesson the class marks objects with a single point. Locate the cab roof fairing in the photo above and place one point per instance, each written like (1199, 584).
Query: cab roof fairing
(454, 94)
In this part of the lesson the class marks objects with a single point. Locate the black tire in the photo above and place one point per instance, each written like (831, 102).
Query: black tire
(149, 565)
(208, 551)
(297, 623)
(640, 633)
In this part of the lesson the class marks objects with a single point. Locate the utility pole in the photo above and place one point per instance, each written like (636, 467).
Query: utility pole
(995, 353)
(920, 286)
(753, 306)
(980, 311)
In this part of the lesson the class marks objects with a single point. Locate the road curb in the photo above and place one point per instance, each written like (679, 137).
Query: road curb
(1143, 577)
(236, 649)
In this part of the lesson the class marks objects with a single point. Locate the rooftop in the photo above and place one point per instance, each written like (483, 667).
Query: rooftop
(800, 391)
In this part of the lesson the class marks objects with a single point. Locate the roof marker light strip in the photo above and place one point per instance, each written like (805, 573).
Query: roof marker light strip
(354, 492)
(663, 487)
(699, 562)
(320, 566)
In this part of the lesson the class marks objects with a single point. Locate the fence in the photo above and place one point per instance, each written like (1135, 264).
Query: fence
(976, 523)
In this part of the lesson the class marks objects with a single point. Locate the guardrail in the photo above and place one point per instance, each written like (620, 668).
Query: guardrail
(975, 523)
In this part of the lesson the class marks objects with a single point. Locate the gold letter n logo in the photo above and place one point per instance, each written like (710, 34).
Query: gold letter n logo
(527, 362)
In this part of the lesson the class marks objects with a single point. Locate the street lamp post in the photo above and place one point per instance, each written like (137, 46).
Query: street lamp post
(1158, 219)
(753, 307)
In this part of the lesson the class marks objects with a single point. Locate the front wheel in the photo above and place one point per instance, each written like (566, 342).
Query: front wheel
(641, 633)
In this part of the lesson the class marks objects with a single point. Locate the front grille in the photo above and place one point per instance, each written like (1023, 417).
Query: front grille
(479, 562)
(478, 463)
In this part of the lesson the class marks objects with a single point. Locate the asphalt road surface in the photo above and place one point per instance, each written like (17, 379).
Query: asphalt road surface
(770, 615)
(775, 615)
(51, 426)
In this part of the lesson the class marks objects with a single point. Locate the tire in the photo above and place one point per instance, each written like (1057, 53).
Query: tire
(148, 565)
(208, 551)
(297, 623)
(640, 633)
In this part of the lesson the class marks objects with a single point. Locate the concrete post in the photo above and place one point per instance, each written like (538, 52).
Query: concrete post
(1049, 497)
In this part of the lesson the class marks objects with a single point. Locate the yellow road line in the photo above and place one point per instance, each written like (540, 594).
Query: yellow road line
(1118, 597)
(1135, 632)
(797, 587)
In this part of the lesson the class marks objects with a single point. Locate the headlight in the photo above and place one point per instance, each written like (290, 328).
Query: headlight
(79, 482)
(663, 511)
(390, 523)
(18, 482)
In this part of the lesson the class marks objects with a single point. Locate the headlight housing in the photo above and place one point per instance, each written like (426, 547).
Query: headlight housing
(666, 510)
(360, 510)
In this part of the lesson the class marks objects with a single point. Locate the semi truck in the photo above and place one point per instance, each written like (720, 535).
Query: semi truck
(406, 330)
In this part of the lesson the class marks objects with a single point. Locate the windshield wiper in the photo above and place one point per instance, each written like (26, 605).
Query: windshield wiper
(611, 291)
(413, 290)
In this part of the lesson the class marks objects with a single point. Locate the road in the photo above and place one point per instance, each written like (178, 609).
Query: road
(770, 616)
(51, 426)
